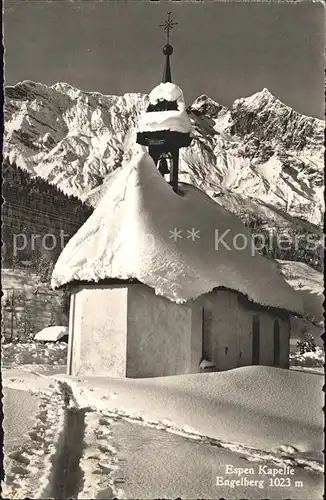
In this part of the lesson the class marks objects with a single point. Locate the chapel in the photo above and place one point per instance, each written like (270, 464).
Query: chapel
(154, 289)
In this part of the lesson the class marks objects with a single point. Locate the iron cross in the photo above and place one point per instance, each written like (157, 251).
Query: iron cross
(168, 26)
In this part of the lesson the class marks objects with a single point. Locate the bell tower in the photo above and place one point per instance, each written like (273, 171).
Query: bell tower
(165, 126)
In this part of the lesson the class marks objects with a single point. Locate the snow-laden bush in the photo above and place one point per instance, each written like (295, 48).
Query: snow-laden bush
(307, 345)
(309, 359)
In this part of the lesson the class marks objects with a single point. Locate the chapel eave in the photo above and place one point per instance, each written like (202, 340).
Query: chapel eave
(243, 299)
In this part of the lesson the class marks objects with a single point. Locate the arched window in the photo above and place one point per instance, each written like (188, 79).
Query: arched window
(207, 334)
(255, 339)
(277, 343)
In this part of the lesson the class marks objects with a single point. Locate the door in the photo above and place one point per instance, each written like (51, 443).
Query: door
(255, 339)
(277, 343)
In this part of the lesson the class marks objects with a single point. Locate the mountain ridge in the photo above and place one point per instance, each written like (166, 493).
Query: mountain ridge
(259, 149)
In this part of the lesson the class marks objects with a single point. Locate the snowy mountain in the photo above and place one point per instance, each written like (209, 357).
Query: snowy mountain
(259, 156)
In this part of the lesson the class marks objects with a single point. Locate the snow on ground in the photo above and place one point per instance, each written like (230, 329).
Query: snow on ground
(165, 437)
(309, 359)
(212, 420)
(125, 459)
(34, 353)
(135, 238)
(258, 407)
(20, 409)
(37, 417)
(100, 459)
(156, 464)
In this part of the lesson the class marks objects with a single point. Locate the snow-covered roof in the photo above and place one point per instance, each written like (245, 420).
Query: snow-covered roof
(167, 92)
(174, 120)
(309, 284)
(142, 229)
(51, 333)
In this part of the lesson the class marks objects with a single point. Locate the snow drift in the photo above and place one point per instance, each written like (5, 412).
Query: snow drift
(262, 407)
(142, 229)
(51, 333)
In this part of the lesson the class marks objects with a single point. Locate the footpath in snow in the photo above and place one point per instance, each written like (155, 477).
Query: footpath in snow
(28, 459)
(165, 437)
(174, 436)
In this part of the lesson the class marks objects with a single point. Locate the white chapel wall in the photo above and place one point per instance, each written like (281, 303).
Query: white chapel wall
(129, 331)
(75, 337)
(100, 331)
(159, 335)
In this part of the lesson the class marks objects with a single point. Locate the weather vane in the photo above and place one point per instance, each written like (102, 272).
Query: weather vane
(168, 26)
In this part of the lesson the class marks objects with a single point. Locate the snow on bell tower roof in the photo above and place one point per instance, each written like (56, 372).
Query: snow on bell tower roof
(143, 230)
(167, 92)
(167, 109)
(175, 120)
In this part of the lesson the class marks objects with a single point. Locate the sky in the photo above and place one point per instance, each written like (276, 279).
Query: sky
(226, 49)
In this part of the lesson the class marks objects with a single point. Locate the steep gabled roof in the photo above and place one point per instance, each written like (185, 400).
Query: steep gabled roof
(142, 229)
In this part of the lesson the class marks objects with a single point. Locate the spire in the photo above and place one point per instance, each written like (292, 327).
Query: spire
(167, 49)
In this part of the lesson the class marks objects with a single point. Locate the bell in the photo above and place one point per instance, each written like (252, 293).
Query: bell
(163, 167)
